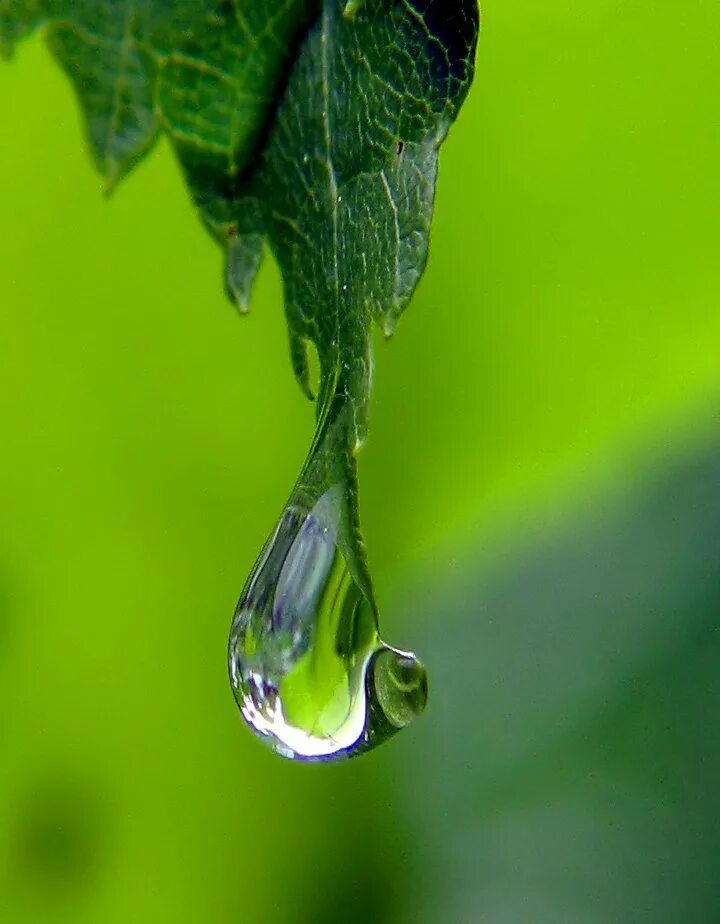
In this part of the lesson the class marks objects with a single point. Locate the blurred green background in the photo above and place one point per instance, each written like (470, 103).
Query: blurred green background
(541, 500)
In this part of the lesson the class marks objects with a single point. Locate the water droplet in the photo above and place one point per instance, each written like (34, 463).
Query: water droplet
(308, 668)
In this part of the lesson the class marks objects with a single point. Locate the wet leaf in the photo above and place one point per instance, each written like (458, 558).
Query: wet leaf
(317, 128)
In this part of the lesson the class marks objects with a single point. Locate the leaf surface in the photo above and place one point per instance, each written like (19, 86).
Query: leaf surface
(314, 126)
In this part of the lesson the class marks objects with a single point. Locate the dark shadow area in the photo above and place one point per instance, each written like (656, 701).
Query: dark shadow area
(568, 768)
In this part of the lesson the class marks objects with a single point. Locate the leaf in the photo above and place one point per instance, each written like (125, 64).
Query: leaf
(341, 179)
(348, 175)
(207, 74)
(346, 186)
(314, 126)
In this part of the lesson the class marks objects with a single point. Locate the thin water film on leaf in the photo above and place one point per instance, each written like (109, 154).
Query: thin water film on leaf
(314, 126)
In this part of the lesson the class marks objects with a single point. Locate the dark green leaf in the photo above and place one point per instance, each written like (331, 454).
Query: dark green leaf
(341, 180)
(205, 73)
(316, 126)
(348, 174)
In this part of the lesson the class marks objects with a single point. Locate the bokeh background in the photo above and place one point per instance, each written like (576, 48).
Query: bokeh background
(541, 498)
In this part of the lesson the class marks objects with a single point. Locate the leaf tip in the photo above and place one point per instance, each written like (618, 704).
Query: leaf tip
(243, 254)
(303, 379)
(110, 185)
(301, 363)
(111, 170)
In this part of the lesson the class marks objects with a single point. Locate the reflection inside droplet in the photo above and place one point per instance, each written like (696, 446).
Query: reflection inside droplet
(307, 665)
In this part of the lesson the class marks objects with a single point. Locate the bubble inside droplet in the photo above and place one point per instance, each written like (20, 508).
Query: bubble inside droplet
(400, 683)
(308, 668)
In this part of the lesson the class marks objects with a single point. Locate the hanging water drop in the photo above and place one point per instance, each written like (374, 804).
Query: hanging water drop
(308, 668)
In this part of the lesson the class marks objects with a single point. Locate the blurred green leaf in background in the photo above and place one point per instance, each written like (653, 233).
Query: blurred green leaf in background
(541, 504)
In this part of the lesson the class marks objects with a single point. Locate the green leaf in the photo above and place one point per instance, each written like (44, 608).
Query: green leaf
(340, 178)
(316, 127)
(348, 174)
(205, 73)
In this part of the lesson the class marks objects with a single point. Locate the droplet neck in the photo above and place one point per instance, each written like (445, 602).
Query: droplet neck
(331, 465)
